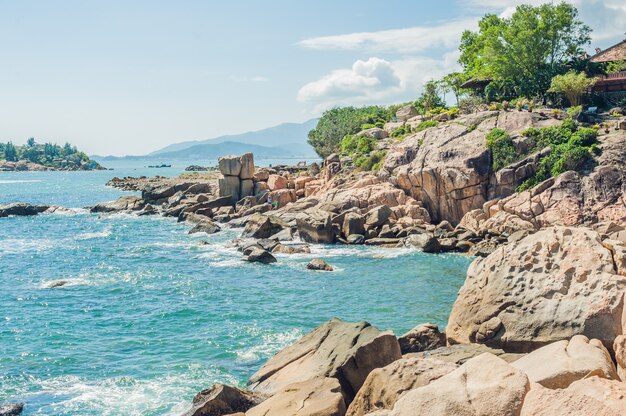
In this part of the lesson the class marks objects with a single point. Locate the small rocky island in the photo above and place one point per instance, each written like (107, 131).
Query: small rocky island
(34, 156)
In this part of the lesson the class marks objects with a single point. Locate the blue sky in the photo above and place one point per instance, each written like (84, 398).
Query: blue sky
(128, 77)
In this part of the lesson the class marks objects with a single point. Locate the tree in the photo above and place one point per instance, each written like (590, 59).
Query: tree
(528, 49)
(30, 142)
(452, 82)
(430, 98)
(338, 122)
(10, 152)
(573, 85)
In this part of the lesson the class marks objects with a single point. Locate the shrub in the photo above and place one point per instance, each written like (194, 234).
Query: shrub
(573, 85)
(574, 112)
(372, 162)
(367, 126)
(503, 152)
(352, 144)
(401, 132)
(426, 125)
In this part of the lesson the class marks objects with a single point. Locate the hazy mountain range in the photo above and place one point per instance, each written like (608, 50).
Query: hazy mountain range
(287, 140)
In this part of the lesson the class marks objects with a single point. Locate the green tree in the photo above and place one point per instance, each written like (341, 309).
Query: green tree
(430, 98)
(30, 142)
(10, 152)
(573, 85)
(528, 49)
(339, 122)
(452, 82)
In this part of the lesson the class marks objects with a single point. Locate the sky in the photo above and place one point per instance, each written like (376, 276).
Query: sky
(122, 77)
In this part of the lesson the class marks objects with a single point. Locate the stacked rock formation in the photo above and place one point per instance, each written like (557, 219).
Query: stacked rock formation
(238, 172)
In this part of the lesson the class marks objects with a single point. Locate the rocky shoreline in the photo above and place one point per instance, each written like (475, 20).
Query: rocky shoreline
(26, 166)
(538, 326)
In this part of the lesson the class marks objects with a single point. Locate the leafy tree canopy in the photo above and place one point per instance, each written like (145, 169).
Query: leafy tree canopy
(527, 49)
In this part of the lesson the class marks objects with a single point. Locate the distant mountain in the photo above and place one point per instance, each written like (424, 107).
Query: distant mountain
(289, 138)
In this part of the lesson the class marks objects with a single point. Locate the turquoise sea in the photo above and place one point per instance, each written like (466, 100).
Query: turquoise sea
(150, 316)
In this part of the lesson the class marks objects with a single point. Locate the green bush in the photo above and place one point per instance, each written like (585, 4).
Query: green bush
(401, 132)
(368, 126)
(570, 146)
(372, 162)
(503, 152)
(426, 125)
(352, 144)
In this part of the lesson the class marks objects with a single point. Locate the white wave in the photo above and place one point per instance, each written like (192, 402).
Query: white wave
(88, 236)
(7, 181)
(19, 245)
(58, 283)
(124, 395)
(269, 343)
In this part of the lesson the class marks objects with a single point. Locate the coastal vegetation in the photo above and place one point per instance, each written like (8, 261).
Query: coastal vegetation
(48, 154)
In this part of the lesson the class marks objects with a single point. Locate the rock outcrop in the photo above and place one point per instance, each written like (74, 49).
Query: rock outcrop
(237, 172)
(384, 386)
(221, 399)
(549, 286)
(315, 397)
(342, 350)
(423, 337)
(485, 385)
(559, 364)
(20, 209)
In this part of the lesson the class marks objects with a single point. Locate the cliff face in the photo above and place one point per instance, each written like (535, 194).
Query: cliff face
(448, 167)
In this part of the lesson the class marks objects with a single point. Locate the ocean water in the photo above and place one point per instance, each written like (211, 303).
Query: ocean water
(149, 316)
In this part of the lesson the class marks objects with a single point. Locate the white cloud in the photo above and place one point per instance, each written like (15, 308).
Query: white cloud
(410, 40)
(375, 81)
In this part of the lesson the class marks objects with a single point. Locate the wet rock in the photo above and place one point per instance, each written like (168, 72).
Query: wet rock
(356, 239)
(205, 226)
(222, 400)
(258, 255)
(422, 338)
(316, 227)
(383, 242)
(343, 350)
(317, 397)
(57, 283)
(21, 209)
(125, 203)
(425, 242)
(319, 264)
(263, 226)
(384, 386)
(291, 248)
(11, 409)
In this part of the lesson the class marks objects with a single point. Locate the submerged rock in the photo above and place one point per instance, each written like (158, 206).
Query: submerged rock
(319, 264)
(259, 255)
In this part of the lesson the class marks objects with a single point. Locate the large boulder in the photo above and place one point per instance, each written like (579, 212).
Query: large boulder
(343, 350)
(619, 348)
(541, 401)
(485, 385)
(11, 409)
(611, 393)
(229, 165)
(549, 286)
(375, 133)
(353, 223)
(407, 112)
(423, 337)
(263, 226)
(276, 182)
(247, 166)
(259, 255)
(221, 400)
(384, 386)
(316, 397)
(559, 364)
(316, 227)
(230, 186)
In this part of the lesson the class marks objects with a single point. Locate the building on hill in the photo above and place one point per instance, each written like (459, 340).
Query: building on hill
(614, 82)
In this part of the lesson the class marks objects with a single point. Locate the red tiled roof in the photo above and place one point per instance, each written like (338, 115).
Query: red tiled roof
(614, 53)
